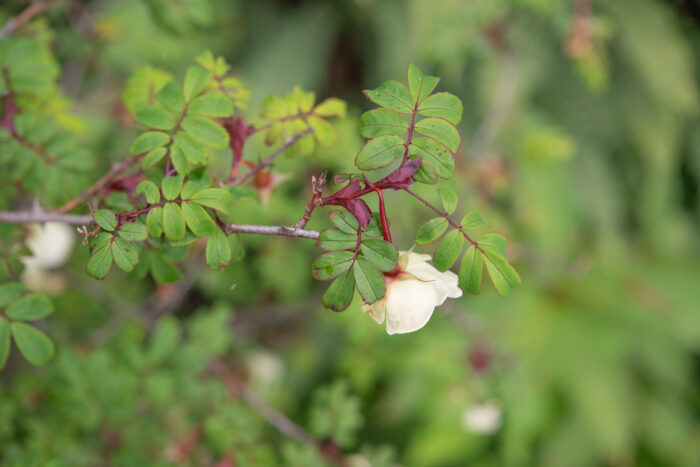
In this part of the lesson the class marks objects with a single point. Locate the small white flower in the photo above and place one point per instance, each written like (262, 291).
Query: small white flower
(51, 244)
(412, 294)
(482, 419)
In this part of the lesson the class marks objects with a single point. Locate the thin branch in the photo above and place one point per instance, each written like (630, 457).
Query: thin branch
(444, 216)
(317, 186)
(23, 217)
(501, 103)
(116, 170)
(268, 160)
(282, 230)
(277, 419)
(25, 16)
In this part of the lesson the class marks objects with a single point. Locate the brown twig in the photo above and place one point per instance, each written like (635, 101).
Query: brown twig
(25, 16)
(317, 186)
(116, 170)
(268, 160)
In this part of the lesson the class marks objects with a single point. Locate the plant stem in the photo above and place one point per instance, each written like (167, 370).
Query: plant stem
(444, 216)
(268, 160)
(382, 216)
(116, 170)
(25, 16)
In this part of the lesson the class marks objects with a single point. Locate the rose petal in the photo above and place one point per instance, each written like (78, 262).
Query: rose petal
(409, 306)
(445, 283)
(376, 310)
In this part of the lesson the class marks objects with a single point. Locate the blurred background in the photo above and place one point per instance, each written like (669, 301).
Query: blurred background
(580, 144)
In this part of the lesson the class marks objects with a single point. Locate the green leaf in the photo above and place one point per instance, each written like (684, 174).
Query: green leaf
(333, 239)
(370, 282)
(331, 107)
(163, 271)
(440, 130)
(340, 292)
(32, 343)
(198, 220)
(493, 243)
(449, 199)
(191, 188)
(10, 291)
(30, 307)
(125, 254)
(472, 220)
(155, 117)
(323, 131)
(154, 221)
(420, 85)
(215, 198)
(4, 341)
(434, 154)
(211, 105)
(179, 160)
(133, 232)
(470, 270)
(171, 186)
(194, 151)
(153, 157)
(173, 222)
(425, 173)
(149, 190)
(171, 96)
(206, 131)
(345, 221)
(330, 265)
(106, 219)
(195, 80)
(381, 253)
(380, 152)
(392, 95)
(381, 122)
(502, 274)
(443, 105)
(218, 250)
(431, 230)
(449, 250)
(149, 140)
(101, 260)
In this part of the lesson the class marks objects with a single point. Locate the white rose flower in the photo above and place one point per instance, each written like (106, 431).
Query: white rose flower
(412, 294)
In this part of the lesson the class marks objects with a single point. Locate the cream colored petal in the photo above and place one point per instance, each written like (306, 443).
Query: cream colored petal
(445, 283)
(409, 306)
(416, 258)
(376, 310)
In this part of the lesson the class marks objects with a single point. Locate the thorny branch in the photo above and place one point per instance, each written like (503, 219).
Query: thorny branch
(317, 186)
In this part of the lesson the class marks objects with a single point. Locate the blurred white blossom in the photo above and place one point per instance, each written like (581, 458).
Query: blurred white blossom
(483, 418)
(51, 244)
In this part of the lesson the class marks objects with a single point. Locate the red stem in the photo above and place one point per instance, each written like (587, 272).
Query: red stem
(382, 216)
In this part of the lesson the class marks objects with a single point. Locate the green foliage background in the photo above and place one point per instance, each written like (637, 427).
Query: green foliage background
(585, 157)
